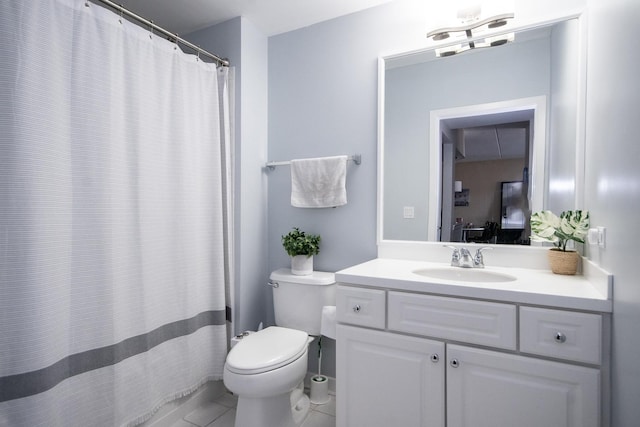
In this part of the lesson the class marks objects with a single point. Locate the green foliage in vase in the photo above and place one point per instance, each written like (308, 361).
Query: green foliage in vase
(299, 243)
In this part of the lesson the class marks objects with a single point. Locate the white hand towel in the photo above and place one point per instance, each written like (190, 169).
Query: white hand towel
(319, 183)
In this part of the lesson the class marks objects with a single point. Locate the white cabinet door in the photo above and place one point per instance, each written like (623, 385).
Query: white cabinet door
(388, 380)
(492, 389)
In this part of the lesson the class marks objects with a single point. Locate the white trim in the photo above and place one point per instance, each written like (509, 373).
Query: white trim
(581, 113)
(380, 191)
(393, 248)
(417, 55)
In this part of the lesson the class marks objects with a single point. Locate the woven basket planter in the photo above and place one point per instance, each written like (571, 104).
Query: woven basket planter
(563, 262)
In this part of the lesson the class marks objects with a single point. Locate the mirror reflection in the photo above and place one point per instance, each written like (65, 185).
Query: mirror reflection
(489, 167)
(478, 177)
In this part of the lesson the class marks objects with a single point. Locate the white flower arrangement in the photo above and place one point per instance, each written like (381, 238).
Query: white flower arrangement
(548, 227)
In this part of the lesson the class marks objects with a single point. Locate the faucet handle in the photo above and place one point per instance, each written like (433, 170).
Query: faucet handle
(478, 260)
(455, 256)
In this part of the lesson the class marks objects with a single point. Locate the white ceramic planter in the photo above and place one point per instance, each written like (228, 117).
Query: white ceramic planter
(302, 265)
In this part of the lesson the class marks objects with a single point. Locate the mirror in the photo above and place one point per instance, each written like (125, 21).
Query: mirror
(430, 108)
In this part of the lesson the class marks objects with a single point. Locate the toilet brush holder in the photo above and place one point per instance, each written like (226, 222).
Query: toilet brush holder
(319, 389)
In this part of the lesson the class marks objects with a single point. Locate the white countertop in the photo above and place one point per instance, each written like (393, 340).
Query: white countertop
(590, 291)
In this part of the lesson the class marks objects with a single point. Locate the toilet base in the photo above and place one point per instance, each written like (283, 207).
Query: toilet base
(273, 411)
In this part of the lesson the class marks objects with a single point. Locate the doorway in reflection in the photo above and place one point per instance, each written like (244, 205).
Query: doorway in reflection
(491, 164)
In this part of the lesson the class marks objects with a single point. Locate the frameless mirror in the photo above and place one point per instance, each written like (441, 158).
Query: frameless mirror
(500, 125)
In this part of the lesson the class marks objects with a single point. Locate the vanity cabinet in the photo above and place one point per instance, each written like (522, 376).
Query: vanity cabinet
(487, 389)
(430, 360)
(389, 379)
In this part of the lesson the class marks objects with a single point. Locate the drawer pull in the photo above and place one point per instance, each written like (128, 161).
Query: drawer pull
(560, 337)
(356, 308)
(454, 363)
(435, 358)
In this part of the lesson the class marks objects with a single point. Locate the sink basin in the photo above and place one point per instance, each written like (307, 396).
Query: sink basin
(457, 274)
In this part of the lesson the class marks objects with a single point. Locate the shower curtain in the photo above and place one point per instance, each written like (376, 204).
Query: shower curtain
(114, 178)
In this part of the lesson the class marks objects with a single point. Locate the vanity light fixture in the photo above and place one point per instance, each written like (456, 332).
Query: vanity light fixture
(477, 44)
(471, 27)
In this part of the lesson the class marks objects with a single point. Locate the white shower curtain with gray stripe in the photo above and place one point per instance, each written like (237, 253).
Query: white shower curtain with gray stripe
(113, 186)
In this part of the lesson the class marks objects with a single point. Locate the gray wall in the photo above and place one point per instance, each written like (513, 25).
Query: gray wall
(323, 102)
(613, 182)
(246, 47)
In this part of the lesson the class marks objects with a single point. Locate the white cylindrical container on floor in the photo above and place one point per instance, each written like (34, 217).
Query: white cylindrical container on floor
(319, 389)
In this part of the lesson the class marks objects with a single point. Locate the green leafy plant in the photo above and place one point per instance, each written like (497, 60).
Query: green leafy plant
(548, 227)
(299, 243)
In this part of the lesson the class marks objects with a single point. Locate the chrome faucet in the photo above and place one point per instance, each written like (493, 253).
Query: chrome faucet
(461, 257)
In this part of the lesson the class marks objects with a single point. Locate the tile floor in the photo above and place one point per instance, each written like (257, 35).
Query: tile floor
(222, 413)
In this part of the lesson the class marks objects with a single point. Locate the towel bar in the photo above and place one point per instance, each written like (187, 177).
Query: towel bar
(356, 158)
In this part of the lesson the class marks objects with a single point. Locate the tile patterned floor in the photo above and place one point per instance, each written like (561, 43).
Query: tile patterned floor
(222, 413)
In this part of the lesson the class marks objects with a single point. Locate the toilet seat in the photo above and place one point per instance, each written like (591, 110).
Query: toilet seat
(266, 350)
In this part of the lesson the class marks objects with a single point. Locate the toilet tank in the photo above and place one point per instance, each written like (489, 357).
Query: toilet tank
(298, 300)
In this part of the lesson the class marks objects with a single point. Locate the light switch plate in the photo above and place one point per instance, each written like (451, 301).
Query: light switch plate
(409, 212)
(602, 236)
(597, 236)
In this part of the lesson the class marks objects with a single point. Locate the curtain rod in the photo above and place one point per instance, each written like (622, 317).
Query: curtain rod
(172, 36)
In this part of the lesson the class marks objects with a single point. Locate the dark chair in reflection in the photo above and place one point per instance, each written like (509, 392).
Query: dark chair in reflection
(511, 236)
(489, 234)
(456, 232)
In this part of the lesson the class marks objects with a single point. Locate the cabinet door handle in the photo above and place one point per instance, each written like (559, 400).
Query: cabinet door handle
(435, 358)
(560, 337)
(356, 308)
(454, 363)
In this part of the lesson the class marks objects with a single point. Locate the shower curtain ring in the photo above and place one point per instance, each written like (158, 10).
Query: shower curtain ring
(175, 47)
(121, 13)
(151, 30)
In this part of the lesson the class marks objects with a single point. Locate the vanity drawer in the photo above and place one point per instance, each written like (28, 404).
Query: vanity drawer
(563, 334)
(360, 306)
(476, 322)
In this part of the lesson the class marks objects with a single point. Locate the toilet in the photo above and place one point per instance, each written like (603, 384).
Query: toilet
(266, 369)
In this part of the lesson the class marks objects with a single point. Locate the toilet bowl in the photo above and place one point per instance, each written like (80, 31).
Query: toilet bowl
(265, 369)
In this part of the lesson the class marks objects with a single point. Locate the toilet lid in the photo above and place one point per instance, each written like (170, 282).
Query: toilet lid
(266, 350)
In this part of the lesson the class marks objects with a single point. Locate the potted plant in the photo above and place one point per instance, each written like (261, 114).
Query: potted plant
(571, 225)
(301, 247)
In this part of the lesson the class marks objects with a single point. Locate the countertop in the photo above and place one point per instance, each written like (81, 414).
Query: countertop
(590, 291)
